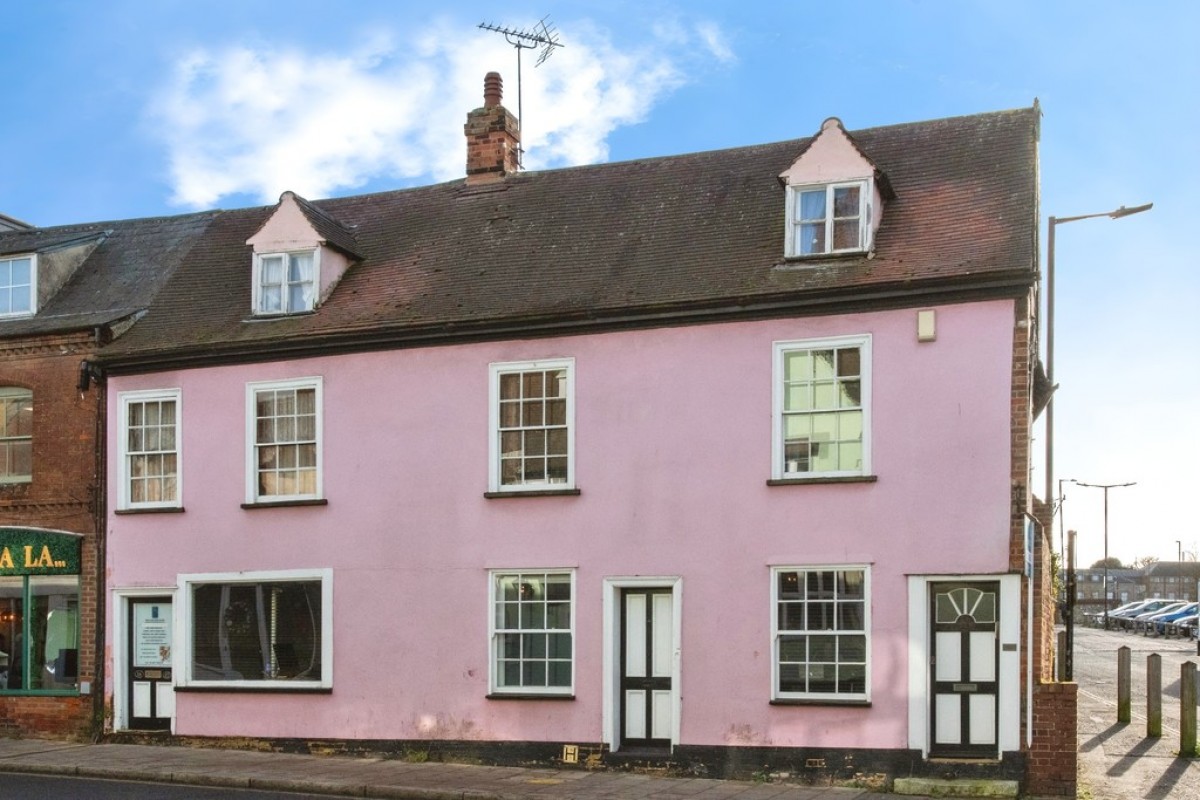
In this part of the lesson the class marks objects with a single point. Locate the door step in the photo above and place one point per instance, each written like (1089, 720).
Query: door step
(955, 787)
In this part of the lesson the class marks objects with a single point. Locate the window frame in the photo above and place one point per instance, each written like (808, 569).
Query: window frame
(16, 393)
(184, 629)
(33, 284)
(495, 371)
(819, 698)
(125, 500)
(284, 305)
(494, 631)
(780, 350)
(792, 227)
(252, 389)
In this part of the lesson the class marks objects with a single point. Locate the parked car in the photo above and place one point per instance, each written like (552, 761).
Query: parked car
(1188, 627)
(1137, 619)
(1160, 622)
(1122, 620)
(1144, 622)
(1096, 617)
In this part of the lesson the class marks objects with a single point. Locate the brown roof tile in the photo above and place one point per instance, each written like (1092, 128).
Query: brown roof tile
(646, 237)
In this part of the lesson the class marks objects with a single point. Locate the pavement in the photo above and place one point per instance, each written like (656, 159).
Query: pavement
(377, 777)
(1118, 761)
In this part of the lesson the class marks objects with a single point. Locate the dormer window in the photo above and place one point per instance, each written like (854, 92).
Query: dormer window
(18, 285)
(831, 218)
(834, 196)
(300, 254)
(285, 283)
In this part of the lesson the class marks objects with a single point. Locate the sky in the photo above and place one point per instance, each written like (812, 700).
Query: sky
(138, 108)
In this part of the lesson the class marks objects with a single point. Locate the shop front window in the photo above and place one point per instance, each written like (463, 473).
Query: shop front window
(39, 633)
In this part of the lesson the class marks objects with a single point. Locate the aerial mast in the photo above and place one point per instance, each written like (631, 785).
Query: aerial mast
(542, 35)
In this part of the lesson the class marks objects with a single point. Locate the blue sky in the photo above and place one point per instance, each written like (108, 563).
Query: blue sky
(133, 108)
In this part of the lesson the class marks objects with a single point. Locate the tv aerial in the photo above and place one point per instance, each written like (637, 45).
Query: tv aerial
(541, 35)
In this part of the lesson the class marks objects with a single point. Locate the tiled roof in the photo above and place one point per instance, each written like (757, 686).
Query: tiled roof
(132, 262)
(332, 231)
(1174, 569)
(639, 240)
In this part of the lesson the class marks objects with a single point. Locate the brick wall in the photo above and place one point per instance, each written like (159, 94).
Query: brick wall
(1053, 768)
(1052, 760)
(62, 496)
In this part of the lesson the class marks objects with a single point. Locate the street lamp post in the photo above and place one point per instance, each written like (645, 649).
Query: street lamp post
(1049, 365)
(1105, 487)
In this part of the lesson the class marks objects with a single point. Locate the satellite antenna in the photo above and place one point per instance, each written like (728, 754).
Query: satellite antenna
(542, 35)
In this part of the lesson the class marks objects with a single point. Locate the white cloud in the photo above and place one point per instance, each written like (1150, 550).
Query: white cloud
(262, 119)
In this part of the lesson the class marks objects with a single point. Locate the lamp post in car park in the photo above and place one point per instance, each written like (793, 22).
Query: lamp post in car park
(1049, 365)
(1105, 487)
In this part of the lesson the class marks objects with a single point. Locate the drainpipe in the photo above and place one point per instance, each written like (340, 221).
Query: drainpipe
(99, 527)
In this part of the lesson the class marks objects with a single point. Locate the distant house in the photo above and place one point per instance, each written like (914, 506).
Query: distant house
(64, 292)
(708, 461)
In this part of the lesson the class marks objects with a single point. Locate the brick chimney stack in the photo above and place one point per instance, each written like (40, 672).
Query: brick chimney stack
(493, 136)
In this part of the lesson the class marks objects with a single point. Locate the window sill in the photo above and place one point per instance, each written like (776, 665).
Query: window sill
(839, 479)
(528, 696)
(163, 510)
(532, 493)
(274, 316)
(819, 702)
(806, 260)
(256, 689)
(320, 501)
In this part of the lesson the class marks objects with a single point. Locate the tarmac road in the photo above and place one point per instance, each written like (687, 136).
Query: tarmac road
(1119, 762)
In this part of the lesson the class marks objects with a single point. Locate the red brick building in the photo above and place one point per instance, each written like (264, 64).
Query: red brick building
(64, 292)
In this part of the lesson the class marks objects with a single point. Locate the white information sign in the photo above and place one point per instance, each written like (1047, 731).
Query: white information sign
(152, 635)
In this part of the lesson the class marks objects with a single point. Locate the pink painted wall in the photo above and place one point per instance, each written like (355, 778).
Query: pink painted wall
(673, 450)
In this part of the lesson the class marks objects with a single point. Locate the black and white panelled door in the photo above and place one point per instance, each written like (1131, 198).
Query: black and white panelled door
(151, 693)
(647, 662)
(965, 662)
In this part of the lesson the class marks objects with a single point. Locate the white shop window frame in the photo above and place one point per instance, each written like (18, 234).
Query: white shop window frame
(183, 627)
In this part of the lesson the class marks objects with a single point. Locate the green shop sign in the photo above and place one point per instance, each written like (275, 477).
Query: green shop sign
(33, 551)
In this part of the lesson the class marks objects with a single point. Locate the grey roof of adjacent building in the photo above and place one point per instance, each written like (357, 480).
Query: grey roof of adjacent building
(132, 260)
